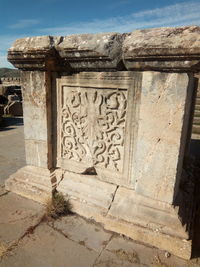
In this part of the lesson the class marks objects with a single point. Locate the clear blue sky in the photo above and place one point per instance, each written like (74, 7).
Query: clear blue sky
(22, 18)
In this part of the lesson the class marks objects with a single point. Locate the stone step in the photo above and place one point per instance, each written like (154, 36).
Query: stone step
(196, 120)
(197, 107)
(198, 100)
(196, 129)
(197, 113)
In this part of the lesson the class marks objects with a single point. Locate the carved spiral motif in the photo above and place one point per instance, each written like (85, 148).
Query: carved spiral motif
(93, 126)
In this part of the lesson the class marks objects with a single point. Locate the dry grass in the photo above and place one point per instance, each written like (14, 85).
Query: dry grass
(58, 206)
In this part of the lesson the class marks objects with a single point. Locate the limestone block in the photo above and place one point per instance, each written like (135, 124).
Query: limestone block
(32, 52)
(34, 105)
(84, 232)
(31, 182)
(36, 153)
(162, 48)
(96, 118)
(18, 215)
(158, 216)
(91, 51)
(87, 190)
(162, 122)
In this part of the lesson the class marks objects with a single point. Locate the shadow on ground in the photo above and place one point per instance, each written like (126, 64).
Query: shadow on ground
(195, 151)
(8, 122)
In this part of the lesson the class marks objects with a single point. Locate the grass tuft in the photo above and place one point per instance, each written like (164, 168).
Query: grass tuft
(58, 206)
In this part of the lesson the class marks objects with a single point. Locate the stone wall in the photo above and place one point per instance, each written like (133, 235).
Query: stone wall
(108, 121)
(10, 81)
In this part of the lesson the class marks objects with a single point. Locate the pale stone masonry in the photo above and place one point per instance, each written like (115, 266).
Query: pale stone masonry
(107, 122)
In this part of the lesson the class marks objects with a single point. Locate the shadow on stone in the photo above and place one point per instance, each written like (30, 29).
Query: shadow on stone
(196, 234)
(11, 121)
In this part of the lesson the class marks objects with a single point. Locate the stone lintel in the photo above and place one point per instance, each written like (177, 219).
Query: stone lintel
(92, 51)
(163, 49)
(36, 53)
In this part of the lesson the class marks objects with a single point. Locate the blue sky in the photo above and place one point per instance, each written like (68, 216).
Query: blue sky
(22, 18)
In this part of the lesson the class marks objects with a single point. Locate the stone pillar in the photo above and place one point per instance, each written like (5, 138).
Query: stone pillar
(107, 122)
(39, 64)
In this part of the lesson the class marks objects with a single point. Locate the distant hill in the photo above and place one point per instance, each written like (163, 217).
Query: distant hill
(6, 72)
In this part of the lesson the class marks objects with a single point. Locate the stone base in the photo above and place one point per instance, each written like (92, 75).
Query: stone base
(119, 209)
(31, 182)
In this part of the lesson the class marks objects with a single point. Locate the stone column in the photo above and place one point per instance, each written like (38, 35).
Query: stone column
(108, 122)
(39, 64)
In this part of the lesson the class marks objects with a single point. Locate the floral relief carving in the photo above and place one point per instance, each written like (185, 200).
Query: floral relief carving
(93, 125)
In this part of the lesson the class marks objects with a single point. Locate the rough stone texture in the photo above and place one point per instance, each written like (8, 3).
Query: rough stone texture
(17, 215)
(2, 190)
(46, 248)
(163, 116)
(30, 51)
(88, 234)
(121, 252)
(96, 136)
(152, 49)
(149, 221)
(161, 217)
(34, 105)
(91, 51)
(163, 48)
(93, 193)
(31, 182)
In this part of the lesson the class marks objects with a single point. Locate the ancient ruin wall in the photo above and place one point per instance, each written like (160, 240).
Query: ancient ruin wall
(107, 123)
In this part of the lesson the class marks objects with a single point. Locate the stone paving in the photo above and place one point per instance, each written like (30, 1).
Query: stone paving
(12, 151)
(28, 239)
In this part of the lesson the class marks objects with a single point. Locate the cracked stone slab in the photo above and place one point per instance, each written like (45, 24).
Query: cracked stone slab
(17, 216)
(49, 248)
(3, 191)
(127, 253)
(91, 235)
(94, 197)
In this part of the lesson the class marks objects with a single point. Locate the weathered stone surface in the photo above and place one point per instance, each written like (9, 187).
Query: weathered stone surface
(158, 216)
(17, 215)
(35, 90)
(163, 48)
(95, 135)
(2, 190)
(152, 49)
(91, 51)
(36, 153)
(93, 193)
(83, 232)
(163, 122)
(33, 52)
(46, 248)
(95, 114)
(31, 182)
(123, 252)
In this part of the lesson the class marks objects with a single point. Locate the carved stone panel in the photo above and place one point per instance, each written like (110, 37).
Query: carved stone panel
(95, 116)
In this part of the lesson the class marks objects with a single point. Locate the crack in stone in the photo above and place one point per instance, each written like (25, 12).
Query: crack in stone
(113, 198)
(103, 249)
(15, 243)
